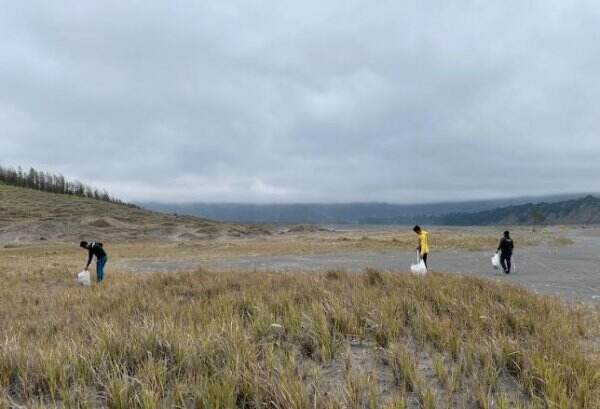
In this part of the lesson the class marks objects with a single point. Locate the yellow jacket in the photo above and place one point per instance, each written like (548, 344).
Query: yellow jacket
(424, 242)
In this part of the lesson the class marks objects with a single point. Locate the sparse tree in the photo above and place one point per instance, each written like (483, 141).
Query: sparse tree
(51, 182)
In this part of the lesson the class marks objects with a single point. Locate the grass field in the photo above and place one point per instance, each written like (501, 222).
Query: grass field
(256, 340)
(394, 239)
(260, 340)
(332, 243)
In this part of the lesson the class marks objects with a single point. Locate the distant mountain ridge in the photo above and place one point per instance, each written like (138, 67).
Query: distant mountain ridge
(354, 213)
(584, 210)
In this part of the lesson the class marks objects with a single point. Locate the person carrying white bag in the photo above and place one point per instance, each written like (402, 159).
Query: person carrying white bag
(422, 251)
(505, 248)
(95, 249)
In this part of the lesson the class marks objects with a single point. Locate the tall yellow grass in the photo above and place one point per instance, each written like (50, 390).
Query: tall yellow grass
(255, 340)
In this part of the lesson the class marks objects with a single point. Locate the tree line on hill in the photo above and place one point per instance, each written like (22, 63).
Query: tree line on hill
(53, 183)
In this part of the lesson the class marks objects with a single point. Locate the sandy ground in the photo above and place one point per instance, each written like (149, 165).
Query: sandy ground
(572, 272)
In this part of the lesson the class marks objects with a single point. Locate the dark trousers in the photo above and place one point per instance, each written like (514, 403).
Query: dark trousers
(505, 261)
(424, 258)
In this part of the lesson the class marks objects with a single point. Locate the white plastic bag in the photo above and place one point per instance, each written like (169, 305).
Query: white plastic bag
(496, 261)
(420, 267)
(83, 278)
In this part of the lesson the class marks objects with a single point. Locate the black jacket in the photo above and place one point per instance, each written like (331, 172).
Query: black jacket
(95, 249)
(506, 245)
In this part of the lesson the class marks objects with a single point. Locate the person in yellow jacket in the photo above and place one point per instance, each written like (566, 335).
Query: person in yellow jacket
(423, 247)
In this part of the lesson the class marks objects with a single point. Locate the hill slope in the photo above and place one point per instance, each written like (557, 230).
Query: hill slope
(29, 215)
(579, 211)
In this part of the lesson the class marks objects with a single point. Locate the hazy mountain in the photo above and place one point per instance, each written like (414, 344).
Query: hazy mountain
(585, 210)
(350, 213)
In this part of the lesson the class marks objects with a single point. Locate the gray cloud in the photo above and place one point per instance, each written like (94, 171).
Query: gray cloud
(304, 101)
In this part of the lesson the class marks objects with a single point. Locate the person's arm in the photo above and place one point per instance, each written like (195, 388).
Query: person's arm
(89, 258)
(499, 246)
(512, 246)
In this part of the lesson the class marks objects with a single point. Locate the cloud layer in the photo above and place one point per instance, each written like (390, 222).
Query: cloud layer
(304, 101)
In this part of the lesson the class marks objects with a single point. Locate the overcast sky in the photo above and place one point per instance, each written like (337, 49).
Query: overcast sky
(304, 101)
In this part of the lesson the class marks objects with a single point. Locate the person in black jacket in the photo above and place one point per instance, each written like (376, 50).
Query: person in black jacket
(506, 248)
(96, 249)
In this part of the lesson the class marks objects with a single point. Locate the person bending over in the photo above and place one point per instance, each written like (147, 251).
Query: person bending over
(423, 247)
(506, 248)
(95, 249)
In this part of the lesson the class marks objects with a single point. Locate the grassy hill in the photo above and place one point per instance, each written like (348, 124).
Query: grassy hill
(578, 211)
(30, 215)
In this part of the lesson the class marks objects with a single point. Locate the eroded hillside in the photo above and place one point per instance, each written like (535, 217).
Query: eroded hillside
(28, 215)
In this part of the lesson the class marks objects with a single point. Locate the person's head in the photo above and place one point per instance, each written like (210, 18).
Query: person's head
(83, 244)
(506, 234)
(417, 229)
